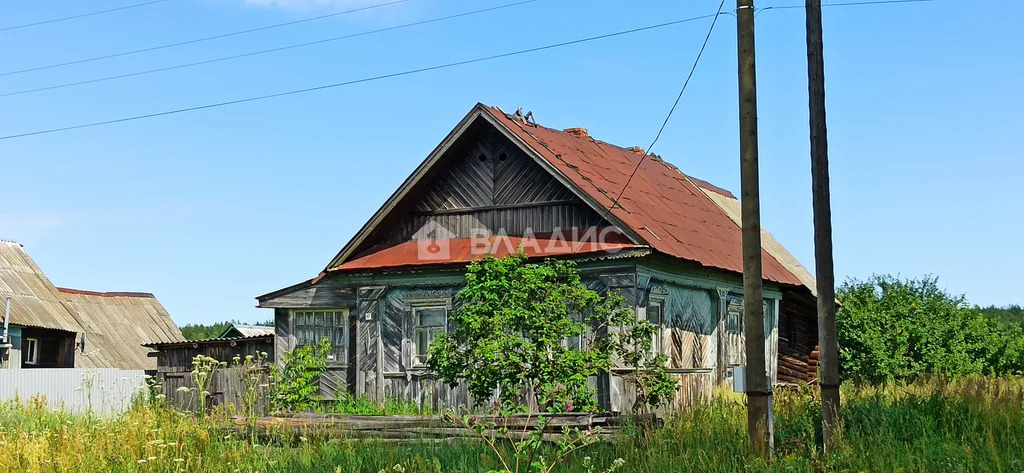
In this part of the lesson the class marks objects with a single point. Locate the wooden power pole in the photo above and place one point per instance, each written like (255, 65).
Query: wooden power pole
(757, 387)
(828, 361)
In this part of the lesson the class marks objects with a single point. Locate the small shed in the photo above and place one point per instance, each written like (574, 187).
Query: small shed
(174, 365)
(176, 357)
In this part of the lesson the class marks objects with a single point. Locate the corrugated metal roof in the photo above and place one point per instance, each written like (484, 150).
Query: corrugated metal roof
(115, 323)
(248, 330)
(731, 206)
(465, 250)
(662, 207)
(208, 341)
(35, 302)
(661, 204)
(116, 326)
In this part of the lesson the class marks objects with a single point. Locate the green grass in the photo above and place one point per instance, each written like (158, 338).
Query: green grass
(968, 425)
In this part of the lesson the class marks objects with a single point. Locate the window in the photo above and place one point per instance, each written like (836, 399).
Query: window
(576, 342)
(31, 351)
(311, 326)
(734, 315)
(656, 316)
(427, 323)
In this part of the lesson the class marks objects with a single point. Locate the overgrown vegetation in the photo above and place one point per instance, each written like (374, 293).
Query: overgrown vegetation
(296, 386)
(971, 424)
(536, 329)
(1010, 315)
(901, 329)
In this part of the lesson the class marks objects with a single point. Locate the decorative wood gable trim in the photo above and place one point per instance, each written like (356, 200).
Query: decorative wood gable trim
(478, 111)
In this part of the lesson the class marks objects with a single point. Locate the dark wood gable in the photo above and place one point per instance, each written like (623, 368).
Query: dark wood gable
(485, 184)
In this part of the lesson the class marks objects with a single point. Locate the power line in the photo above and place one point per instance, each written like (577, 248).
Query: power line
(199, 40)
(615, 201)
(265, 51)
(686, 82)
(846, 4)
(359, 81)
(83, 15)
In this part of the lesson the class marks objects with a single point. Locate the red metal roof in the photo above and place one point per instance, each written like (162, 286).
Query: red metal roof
(465, 250)
(67, 290)
(661, 204)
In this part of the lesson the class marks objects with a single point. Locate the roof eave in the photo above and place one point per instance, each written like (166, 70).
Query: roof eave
(406, 186)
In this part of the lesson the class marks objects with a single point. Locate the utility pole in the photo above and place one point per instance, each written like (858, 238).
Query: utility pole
(828, 361)
(758, 391)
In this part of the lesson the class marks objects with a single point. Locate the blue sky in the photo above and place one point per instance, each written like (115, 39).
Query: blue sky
(211, 208)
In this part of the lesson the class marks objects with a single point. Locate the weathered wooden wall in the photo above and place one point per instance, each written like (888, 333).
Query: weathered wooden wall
(491, 187)
(226, 388)
(798, 341)
(179, 357)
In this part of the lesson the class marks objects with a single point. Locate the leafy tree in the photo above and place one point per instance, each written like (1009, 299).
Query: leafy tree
(1011, 315)
(536, 329)
(895, 329)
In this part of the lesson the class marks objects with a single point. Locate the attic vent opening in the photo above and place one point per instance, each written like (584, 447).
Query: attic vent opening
(577, 132)
(483, 158)
(502, 157)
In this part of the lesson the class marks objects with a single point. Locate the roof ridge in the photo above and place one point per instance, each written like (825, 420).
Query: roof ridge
(82, 292)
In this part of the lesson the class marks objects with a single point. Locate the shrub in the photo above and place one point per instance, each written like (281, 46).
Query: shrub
(896, 329)
(537, 329)
(296, 386)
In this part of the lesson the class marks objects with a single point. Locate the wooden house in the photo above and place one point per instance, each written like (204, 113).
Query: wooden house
(56, 327)
(500, 183)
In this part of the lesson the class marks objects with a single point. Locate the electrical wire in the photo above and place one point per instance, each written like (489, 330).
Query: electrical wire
(846, 4)
(682, 89)
(359, 81)
(615, 201)
(265, 51)
(82, 15)
(199, 40)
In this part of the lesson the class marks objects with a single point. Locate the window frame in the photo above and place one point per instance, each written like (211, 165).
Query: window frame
(339, 353)
(418, 360)
(32, 351)
(657, 299)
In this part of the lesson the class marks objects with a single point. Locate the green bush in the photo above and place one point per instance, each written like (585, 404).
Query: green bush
(537, 329)
(897, 329)
(296, 386)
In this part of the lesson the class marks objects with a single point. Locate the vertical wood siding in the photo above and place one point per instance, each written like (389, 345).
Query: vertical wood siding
(368, 327)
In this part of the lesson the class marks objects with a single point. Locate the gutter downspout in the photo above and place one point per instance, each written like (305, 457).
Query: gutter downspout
(5, 342)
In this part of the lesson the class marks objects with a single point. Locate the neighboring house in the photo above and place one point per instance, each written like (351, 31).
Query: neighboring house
(499, 183)
(240, 331)
(54, 327)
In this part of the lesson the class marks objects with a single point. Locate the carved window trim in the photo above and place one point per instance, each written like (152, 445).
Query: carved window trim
(422, 335)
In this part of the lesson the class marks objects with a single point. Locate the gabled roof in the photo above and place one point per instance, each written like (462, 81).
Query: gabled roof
(115, 324)
(662, 208)
(243, 331)
(35, 302)
(661, 204)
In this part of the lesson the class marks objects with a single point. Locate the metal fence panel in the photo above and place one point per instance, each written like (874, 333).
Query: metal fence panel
(101, 390)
